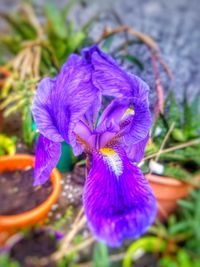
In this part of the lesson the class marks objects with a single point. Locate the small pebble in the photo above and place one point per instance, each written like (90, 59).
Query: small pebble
(28, 168)
(70, 196)
(58, 216)
(54, 207)
(15, 189)
(85, 233)
(50, 214)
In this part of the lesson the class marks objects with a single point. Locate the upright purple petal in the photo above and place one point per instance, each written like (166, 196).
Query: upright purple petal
(110, 118)
(91, 114)
(135, 128)
(118, 200)
(47, 156)
(111, 79)
(62, 102)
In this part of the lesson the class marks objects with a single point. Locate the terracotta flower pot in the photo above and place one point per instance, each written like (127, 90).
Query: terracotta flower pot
(167, 191)
(10, 224)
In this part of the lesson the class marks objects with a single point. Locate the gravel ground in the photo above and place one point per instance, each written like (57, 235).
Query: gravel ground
(173, 24)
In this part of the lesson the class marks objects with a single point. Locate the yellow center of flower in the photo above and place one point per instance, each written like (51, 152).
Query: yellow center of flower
(128, 112)
(113, 160)
(107, 151)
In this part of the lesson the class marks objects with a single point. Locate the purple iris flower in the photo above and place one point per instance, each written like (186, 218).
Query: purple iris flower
(118, 200)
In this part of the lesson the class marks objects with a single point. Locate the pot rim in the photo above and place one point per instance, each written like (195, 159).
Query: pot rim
(164, 180)
(25, 218)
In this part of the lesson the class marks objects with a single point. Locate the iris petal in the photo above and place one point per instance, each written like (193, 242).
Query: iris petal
(136, 152)
(118, 200)
(136, 127)
(42, 110)
(47, 156)
(60, 103)
(111, 79)
(110, 118)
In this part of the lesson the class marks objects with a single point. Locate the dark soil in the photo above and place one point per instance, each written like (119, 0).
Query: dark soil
(32, 248)
(17, 193)
(79, 174)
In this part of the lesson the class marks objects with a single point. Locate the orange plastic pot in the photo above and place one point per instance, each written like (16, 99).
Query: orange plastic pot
(10, 224)
(167, 191)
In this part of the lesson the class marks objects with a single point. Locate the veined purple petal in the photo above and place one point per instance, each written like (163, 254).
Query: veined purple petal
(111, 79)
(47, 156)
(118, 200)
(136, 151)
(42, 110)
(91, 114)
(59, 104)
(135, 128)
(82, 130)
(74, 95)
(110, 118)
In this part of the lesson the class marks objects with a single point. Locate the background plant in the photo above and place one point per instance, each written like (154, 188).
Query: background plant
(7, 145)
(185, 126)
(36, 49)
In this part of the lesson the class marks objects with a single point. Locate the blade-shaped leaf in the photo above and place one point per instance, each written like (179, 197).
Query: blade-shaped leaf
(100, 256)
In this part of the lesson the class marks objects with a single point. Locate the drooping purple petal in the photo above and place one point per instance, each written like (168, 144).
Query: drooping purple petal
(42, 110)
(111, 79)
(47, 156)
(118, 200)
(136, 151)
(62, 102)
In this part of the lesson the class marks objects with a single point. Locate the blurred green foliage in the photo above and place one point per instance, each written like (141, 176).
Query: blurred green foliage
(5, 261)
(182, 259)
(56, 35)
(181, 163)
(100, 255)
(7, 145)
(37, 48)
(177, 241)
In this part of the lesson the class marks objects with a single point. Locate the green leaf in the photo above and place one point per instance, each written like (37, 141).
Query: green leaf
(67, 8)
(100, 256)
(147, 244)
(179, 227)
(20, 25)
(191, 123)
(183, 259)
(5, 261)
(186, 204)
(28, 134)
(7, 145)
(133, 60)
(75, 41)
(176, 171)
(174, 114)
(107, 43)
(167, 261)
(56, 21)
(178, 135)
